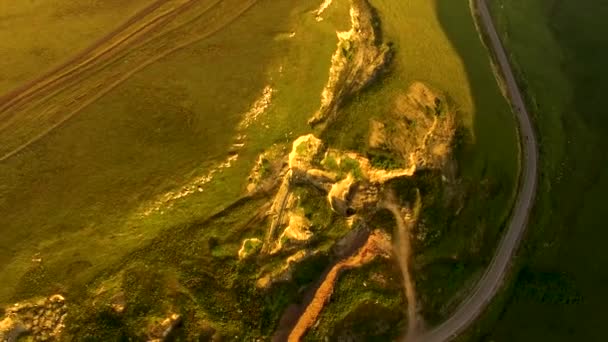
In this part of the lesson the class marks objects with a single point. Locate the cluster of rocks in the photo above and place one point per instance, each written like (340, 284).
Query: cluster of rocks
(42, 319)
(266, 169)
(353, 187)
(420, 132)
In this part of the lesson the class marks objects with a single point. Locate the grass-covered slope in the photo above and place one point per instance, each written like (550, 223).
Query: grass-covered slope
(79, 195)
(36, 36)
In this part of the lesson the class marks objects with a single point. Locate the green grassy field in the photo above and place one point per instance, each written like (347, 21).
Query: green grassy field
(38, 35)
(559, 50)
(89, 181)
(79, 199)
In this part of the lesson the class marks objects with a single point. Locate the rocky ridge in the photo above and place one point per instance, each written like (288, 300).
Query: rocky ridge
(359, 58)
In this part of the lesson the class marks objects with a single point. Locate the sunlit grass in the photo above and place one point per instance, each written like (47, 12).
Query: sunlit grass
(37, 35)
(88, 181)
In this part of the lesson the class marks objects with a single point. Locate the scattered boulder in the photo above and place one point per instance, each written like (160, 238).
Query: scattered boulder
(118, 302)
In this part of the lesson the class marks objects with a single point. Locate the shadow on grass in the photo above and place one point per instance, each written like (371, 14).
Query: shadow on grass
(558, 293)
(488, 162)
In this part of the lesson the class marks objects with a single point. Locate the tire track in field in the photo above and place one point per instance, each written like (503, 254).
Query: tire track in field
(77, 100)
(24, 89)
(85, 60)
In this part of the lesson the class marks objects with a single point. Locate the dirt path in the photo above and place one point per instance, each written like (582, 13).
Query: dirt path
(403, 251)
(376, 244)
(492, 279)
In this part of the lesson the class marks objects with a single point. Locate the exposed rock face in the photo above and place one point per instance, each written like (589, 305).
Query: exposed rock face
(305, 149)
(297, 230)
(377, 136)
(422, 128)
(341, 194)
(320, 179)
(249, 247)
(360, 165)
(296, 233)
(283, 202)
(159, 331)
(360, 56)
(257, 108)
(284, 273)
(321, 9)
(43, 319)
(266, 169)
(352, 185)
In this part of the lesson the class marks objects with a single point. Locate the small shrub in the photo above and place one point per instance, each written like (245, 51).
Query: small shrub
(330, 163)
(352, 166)
(384, 161)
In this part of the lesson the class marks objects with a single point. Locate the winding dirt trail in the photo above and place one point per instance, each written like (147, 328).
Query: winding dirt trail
(376, 244)
(403, 250)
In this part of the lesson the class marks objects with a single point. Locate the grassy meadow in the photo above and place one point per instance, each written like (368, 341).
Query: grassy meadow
(89, 181)
(559, 50)
(35, 36)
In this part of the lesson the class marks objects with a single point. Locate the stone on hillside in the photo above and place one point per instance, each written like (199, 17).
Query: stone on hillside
(249, 247)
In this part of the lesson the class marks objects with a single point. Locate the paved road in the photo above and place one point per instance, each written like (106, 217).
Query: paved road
(491, 281)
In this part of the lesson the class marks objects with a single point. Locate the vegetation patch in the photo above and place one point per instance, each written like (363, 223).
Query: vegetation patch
(370, 288)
